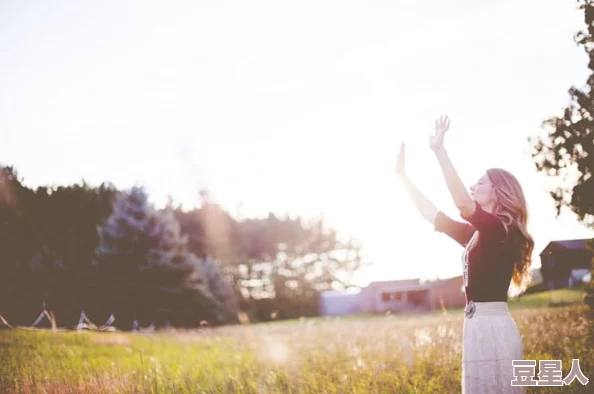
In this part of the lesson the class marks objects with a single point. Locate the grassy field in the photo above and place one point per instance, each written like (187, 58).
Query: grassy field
(383, 354)
(560, 297)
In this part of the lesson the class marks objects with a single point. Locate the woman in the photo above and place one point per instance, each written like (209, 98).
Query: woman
(497, 251)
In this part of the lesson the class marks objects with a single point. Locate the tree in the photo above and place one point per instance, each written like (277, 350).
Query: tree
(143, 265)
(291, 262)
(66, 219)
(274, 264)
(566, 151)
(222, 292)
(47, 238)
(20, 244)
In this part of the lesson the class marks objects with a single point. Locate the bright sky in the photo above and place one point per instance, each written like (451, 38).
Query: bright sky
(294, 108)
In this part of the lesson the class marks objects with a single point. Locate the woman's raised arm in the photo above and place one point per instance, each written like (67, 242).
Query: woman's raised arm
(422, 203)
(458, 191)
(460, 232)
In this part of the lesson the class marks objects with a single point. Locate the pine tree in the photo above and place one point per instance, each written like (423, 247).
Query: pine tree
(221, 290)
(143, 261)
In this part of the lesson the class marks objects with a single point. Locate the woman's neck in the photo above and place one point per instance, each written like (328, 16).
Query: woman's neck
(488, 208)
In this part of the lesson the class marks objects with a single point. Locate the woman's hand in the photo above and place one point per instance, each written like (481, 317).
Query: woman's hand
(400, 161)
(441, 127)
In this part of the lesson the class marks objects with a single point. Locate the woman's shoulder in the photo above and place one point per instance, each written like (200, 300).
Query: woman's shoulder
(513, 235)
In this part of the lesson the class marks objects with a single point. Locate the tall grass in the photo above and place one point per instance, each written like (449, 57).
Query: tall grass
(390, 354)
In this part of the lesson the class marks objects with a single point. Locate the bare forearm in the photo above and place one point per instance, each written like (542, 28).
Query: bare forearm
(422, 203)
(457, 189)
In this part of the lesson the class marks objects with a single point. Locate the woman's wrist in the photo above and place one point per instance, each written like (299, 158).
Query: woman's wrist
(441, 151)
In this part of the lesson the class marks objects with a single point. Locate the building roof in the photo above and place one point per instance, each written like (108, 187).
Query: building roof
(337, 294)
(413, 284)
(565, 245)
(403, 283)
(445, 281)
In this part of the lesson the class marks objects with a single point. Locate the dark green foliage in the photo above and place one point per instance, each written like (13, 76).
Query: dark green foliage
(567, 149)
(180, 267)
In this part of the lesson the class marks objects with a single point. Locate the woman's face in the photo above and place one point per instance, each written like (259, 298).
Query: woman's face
(482, 192)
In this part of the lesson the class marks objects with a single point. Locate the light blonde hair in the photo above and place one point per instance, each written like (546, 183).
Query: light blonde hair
(511, 208)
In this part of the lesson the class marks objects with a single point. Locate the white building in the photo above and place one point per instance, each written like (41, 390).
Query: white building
(395, 296)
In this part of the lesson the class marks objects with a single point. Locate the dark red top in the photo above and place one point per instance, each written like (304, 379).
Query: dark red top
(490, 262)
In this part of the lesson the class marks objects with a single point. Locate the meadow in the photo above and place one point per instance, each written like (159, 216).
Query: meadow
(413, 353)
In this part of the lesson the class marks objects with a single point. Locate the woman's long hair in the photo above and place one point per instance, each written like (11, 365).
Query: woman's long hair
(511, 208)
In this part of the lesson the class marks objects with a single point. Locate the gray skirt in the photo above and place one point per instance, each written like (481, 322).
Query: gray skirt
(491, 342)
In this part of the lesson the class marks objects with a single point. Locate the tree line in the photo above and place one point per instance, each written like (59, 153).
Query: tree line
(106, 251)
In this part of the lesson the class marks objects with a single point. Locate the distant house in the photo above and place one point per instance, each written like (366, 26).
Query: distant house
(565, 263)
(335, 303)
(396, 296)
